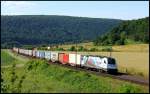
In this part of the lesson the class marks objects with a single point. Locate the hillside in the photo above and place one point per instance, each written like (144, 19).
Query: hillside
(128, 32)
(52, 29)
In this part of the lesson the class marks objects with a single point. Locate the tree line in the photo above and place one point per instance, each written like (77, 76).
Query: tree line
(51, 29)
(128, 32)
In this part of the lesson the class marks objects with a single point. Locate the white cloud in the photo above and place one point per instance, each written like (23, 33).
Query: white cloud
(16, 3)
(15, 7)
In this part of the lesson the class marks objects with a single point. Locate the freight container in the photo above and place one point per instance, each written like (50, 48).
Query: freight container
(79, 58)
(60, 55)
(33, 53)
(30, 52)
(15, 49)
(37, 54)
(20, 51)
(23, 51)
(63, 58)
(41, 54)
(47, 55)
(75, 59)
(54, 56)
(72, 59)
(26, 52)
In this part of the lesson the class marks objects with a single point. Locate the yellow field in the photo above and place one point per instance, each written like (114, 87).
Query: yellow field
(133, 59)
(130, 62)
(126, 48)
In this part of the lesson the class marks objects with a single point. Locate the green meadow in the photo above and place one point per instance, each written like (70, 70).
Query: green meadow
(36, 76)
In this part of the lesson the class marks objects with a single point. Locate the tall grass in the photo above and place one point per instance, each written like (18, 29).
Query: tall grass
(6, 59)
(42, 77)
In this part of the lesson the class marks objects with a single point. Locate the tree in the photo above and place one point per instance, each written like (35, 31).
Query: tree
(72, 48)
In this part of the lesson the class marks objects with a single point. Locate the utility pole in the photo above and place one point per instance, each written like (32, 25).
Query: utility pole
(111, 51)
(76, 52)
(76, 40)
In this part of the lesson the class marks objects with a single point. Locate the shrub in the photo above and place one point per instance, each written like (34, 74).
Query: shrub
(93, 49)
(107, 49)
(60, 49)
(72, 48)
(128, 89)
(81, 48)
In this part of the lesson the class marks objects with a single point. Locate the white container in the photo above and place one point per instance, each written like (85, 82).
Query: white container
(75, 59)
(37, 54)
(30, 52)
(15, 49)
(47, 55)
(54, 56)
(33, 52)
(26, 52)
(79, 57)
(72, 59)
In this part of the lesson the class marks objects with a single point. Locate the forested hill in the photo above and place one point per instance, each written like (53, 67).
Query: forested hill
(50, 29)
(128, 32)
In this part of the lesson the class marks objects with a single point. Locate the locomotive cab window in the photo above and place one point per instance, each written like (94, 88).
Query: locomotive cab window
(104, 61)
(111, 61)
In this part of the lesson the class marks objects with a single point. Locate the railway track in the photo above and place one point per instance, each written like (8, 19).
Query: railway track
(120, 76)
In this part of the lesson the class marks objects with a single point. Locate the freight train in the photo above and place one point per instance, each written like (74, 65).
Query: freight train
(102, 64)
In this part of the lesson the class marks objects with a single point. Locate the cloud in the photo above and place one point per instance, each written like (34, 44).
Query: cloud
(15, 7)
(16, 3)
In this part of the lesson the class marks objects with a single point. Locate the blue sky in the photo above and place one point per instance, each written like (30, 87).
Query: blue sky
(125, 10)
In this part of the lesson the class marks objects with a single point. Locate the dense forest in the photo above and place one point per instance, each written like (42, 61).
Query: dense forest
(128, 32)
(51, 29)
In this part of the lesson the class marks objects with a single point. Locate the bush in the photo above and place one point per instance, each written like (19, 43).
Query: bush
(60, 49)
(107, 49)
(72, 48)
(128, 89)
(81, 48)
(93, 49)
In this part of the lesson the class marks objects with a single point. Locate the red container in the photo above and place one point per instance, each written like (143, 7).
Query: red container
(63, 58)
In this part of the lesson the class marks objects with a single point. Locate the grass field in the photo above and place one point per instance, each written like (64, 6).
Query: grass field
(38, 77)
(7, 58)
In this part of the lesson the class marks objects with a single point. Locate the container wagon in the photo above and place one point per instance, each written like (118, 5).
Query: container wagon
(47, 55)
(75, 59)
(54, 56)
(63, 58)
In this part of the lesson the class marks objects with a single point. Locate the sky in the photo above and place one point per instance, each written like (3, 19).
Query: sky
(125, 10)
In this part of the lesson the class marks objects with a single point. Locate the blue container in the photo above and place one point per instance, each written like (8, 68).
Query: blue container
(37, 54)
(41, 54)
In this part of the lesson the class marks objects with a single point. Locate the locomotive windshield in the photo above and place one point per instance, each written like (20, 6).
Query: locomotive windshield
(111, 61)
